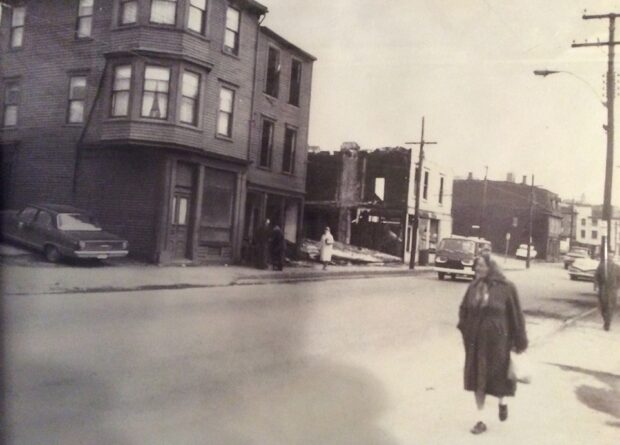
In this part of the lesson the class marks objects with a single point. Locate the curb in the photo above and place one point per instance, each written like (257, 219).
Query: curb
(565, 324)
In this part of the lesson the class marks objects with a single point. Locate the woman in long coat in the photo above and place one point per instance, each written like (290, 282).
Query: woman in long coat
(277, 248)
(492, 324)
(327, 247)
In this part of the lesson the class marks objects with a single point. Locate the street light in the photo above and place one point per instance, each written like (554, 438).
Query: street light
(609, 129)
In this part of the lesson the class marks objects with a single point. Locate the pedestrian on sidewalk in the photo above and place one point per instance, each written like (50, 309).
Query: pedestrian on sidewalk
(261, 240)
(327, 247)
(492, 324)
(607, 281)
(278, 248)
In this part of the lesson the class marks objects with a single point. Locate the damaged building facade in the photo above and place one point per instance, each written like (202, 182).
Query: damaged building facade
(151, 115)
(367, 199)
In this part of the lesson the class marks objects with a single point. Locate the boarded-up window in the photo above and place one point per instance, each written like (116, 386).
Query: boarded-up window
(217, 207)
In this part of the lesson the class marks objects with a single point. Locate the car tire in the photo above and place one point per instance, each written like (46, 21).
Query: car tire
(441, 275)
(52, 254)
(566, 266)
(573, 277)
(453, 277)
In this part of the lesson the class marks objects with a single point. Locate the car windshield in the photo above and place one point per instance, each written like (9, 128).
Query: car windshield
(458, 245)
(77, 221)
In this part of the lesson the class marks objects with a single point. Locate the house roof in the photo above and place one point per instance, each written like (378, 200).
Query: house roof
(282, 41)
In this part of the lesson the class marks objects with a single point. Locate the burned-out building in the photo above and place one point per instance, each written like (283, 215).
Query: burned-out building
(500, 212)
(149, 114)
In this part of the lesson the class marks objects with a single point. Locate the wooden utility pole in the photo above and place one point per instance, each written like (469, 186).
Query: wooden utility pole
(418, 177)
(611, 92)
(529, 235)
(483, 208)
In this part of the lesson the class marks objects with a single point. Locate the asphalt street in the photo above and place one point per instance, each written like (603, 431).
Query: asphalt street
(364, 361)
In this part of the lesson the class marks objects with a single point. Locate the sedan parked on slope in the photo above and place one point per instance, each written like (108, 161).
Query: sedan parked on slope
(61, 231)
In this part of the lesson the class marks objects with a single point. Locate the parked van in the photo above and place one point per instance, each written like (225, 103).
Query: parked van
(456, 254)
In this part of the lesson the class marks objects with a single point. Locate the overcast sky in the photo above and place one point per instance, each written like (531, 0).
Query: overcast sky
(467, 66)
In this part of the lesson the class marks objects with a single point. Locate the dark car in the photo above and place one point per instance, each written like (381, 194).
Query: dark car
(61, 231)
(456, 254)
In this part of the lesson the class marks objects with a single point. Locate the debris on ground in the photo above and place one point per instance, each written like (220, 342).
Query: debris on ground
(346, 253)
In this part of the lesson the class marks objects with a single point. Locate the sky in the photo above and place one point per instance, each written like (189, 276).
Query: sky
(467, 66)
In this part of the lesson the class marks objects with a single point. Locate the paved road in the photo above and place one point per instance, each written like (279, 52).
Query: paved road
(344, 361)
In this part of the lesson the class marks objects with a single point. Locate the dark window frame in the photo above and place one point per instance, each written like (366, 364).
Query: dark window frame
(272, 78)
(114, 92)
(195, 100)
(71, 100)
(203, 16)
(176, 12)
(83, 17)
(294, 96)
(442, 180)
(293, 150)
(425, 184)
(156, 92)
(14, 28)
(237, 32)
(230, 114)
(121, 9)
(266, 161)
(9, 102)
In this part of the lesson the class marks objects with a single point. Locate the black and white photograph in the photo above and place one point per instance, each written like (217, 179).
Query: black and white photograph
(309, 222)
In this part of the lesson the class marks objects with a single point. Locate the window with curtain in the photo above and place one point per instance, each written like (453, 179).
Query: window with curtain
(155, 93)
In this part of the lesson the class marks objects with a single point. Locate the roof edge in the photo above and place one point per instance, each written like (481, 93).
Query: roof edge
(281, 40)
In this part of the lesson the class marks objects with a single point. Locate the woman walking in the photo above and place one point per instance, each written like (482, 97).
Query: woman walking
(327, 247)
(492, 324)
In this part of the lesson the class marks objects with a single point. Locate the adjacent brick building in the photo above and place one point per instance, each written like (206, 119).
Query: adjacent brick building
(505, 209)
(146, 113)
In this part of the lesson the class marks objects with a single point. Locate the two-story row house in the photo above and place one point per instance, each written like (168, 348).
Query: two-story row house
(178, 123)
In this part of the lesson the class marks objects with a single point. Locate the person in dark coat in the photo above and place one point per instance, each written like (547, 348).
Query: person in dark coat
(261, 243)
(607, 280)
(278, 247)
(492, 324)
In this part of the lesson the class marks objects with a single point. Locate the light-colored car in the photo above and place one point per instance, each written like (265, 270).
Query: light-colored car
(573, 254)
(583, 269)
(522, 252)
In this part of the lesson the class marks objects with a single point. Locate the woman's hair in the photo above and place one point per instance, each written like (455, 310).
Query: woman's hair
(495, 272)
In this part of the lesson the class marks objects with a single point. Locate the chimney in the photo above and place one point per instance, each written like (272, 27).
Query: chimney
(510, 177)
(470, 176)
(524, 180)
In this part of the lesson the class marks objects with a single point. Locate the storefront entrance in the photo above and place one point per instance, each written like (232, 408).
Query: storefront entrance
(179, 231)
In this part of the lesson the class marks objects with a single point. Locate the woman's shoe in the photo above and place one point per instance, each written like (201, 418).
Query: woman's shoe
(503, 412)
(479, 428)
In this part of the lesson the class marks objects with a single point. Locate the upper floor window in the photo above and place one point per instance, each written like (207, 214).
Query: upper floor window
(290, 147)
(84, 25)
(190, 89)
(272, 86)
(155, 92)
(266, 143)
(77, 98)
(128, 12)
(121, 88)
(441, 183)
(594, 234)
(11, 104)
(196, 19)
(425, 189)
(295, 83)
(231, 36)
(164, 11)
(18, 19)
(594, 221)
(583, 221)
(225, 113)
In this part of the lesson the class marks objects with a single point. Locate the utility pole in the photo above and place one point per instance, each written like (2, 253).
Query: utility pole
(529, 236)
(418, 177)
(484, 201)
(611, 90)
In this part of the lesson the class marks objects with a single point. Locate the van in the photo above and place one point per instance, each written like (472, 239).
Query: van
(456, 254)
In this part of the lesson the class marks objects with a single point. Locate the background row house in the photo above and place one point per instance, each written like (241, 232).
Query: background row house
(156, 116)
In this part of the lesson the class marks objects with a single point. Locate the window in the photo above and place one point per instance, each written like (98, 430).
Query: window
(128, 12)
(84, 25)
(273, 72)
(231, 35)
(44, 219)
(380, 188)
(28, 214)
(594, 234)
(155, 93)
(120, 90)
(583, 221)
(266, 143)
(18, 19)
(164, 11)
(583, 234)
(290, 146)
(441, 182)
(594, 222)
(190, 90)
(77, 97)
(295, 83)
(217, 216)
(179, 210)
(225, 114)
(196, 19)
(425, 189)
(11, 104)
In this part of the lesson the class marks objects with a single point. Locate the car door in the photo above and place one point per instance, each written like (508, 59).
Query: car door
(24, 229)
(43, 229)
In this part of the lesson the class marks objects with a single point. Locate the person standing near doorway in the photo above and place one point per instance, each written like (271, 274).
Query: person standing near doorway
(278, 248)
(327, 247)
(261, 240)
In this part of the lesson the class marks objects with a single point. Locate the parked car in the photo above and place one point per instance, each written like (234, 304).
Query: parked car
(61, 231)
(583, 269)
(455, 255)
(522, 252)
(573, 254)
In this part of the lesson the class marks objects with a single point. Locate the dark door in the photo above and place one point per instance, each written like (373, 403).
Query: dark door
(180, 228)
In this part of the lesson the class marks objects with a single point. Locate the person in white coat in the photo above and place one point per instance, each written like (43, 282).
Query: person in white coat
(327, 247)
